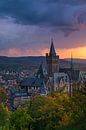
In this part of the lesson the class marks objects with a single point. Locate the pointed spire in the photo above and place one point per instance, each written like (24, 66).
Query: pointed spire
(71, 65)
(71, 75)
(52, 49)
(40, 72)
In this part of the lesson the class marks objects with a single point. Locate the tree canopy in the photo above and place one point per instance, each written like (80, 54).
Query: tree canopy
(57, 111)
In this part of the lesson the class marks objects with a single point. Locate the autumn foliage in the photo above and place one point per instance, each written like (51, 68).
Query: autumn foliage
(57, 111)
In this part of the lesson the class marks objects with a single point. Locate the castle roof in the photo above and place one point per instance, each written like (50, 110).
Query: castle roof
(74, 75)
(32, 81)
(52, 49)
(40, 72)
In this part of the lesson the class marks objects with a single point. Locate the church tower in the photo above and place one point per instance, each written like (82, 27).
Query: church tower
(52, 61)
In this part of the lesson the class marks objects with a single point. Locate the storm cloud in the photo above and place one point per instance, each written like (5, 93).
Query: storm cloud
(45, 12)
(31, 23)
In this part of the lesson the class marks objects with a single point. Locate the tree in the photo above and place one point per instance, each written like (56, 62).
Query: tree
(4, 117)
(3, 96)
(20, 119)
(56, 111)
(49, 112)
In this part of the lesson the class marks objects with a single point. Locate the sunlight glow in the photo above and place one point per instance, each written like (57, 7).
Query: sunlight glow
(63, 53)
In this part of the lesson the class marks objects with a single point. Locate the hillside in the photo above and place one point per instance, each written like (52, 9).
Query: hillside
(32, 62)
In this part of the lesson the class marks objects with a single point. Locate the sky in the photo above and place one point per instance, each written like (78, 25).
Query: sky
(27, 26)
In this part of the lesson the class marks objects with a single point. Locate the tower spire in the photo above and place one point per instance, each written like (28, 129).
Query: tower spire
(40, 72)
(52, 49)
(52, 61)
(71, 75)
(71, 64)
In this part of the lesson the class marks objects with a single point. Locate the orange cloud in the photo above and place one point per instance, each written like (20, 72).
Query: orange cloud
(76, 52)
(63, 53)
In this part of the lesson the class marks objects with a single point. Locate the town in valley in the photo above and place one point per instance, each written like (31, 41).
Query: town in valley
(22, 84)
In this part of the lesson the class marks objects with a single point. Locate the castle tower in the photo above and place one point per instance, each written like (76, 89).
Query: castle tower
(52, 61)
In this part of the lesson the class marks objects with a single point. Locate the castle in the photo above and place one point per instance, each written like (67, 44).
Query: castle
(53, 78)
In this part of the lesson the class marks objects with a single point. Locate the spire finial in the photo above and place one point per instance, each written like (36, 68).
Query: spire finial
(51, 40)
(71, 61)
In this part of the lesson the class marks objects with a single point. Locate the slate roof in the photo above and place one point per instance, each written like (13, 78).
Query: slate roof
(37, 82)
(40, 72)
(52, 50)
(73, 75)
(43, 90)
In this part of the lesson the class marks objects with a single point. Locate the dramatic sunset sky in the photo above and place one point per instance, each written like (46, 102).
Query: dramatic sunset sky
(26, 27)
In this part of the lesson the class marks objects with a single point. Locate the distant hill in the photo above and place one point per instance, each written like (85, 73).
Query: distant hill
(77, 60)
(32, 62)
(78, 63)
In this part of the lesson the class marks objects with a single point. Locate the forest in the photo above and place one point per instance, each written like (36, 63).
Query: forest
(56, 111)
